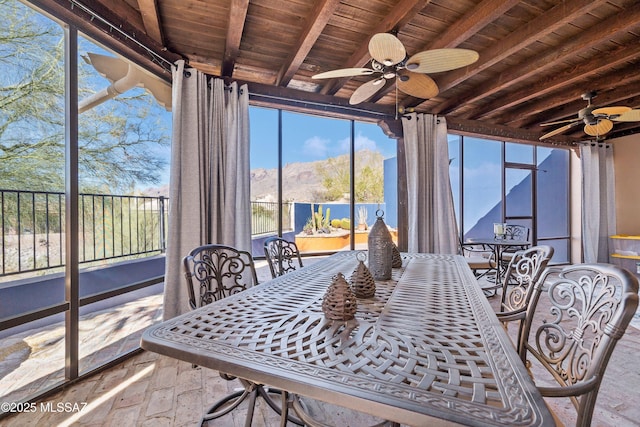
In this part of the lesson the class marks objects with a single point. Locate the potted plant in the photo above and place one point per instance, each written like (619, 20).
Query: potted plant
(362, 218)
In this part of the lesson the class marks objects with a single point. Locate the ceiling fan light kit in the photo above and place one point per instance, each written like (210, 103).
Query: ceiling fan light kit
(390, 61)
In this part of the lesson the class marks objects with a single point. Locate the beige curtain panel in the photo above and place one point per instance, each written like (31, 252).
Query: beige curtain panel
(431, 217)
(209, 193)
(598, 201)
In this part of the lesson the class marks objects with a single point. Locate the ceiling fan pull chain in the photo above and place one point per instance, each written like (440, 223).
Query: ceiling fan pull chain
(396, 98)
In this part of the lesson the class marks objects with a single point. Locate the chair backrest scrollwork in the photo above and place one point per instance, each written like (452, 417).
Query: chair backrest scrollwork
(516, 232)
(216, 271)
(282, 255)
(574, 319)
(524, 270)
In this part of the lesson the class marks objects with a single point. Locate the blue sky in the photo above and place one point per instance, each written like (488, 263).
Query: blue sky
(308, 138)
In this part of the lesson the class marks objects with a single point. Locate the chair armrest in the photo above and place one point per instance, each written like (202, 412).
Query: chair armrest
(476, 249)
(570, 390)
(511, 315)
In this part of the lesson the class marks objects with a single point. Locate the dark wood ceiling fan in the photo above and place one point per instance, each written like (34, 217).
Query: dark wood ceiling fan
(389, 61)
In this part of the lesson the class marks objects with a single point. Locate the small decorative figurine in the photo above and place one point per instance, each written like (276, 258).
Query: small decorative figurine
(339, 302)
(362, 282)
(396, 258)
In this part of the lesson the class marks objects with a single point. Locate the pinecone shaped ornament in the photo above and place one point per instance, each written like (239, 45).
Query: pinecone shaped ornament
(362, 282)
(396, 257)
(339, 302)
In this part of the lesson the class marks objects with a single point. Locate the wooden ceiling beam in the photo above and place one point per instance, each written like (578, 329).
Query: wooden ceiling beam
(582, 72)
(551, 57)
(399, 16)
(623, 129)
(562, 14)
(317, 20)
(473, 21)
(296, 100)
(151, 19)
(124, 11)
(459, 126)
(129, 40)
(237, 16)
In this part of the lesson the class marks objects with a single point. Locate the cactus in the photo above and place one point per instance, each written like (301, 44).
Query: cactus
(313, 220)
(345, 223)
(321, 222)
(336, 223)
(318, 218)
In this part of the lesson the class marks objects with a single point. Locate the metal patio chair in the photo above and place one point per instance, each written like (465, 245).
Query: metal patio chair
(214, 272)
(574, 319)
(282, 255)
(524, 271)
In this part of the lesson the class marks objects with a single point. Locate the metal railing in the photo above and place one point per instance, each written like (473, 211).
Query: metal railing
(32, 227)
(110, 226)
(264, 217)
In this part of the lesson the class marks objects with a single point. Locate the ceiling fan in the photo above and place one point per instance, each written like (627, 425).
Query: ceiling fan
(390, 61)
(597, 121)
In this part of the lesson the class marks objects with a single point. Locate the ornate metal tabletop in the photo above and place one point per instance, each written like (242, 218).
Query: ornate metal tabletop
(426, 346)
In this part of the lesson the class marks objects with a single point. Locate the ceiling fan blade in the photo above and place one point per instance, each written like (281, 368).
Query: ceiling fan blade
(559, 122)
(366, 91)
(559, 130)
(438, 60)
(344, 72)
(610, 111)
(387, 49)
(629, 116)
(418, 85)
(603, 126)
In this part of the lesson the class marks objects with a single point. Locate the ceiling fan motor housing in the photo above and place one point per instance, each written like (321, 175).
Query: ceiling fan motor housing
(586, 115)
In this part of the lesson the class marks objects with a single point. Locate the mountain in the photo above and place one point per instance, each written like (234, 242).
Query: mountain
(300, 180)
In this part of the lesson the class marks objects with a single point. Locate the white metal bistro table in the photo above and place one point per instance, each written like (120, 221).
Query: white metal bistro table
(427, 348)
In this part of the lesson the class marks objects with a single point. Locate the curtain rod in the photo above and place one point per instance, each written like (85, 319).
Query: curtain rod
(94, 15)
(325, 107)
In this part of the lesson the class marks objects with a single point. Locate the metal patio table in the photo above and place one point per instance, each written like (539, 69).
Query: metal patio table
(498, 246)
(427, 348)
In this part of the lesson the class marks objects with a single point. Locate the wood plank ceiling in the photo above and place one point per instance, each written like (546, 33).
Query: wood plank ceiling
(536, 57)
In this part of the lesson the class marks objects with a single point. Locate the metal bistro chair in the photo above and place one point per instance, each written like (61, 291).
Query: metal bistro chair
(524, 271)
(282, 255)
(214, 272)
(514, 232)
(480, 259)
(573, 322)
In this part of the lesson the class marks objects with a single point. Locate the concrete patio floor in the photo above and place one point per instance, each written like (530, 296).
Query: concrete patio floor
(149, 389)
